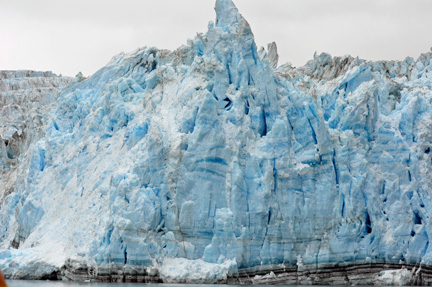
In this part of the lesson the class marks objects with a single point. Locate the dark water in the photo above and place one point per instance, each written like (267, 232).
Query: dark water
(39, 283)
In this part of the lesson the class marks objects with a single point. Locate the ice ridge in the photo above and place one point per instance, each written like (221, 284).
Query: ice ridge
(211, 164)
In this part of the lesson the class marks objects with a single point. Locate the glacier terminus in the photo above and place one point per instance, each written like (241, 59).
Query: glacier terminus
(212, 164)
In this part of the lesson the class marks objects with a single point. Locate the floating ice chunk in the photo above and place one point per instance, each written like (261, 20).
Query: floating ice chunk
(181, 270)
(400, 277)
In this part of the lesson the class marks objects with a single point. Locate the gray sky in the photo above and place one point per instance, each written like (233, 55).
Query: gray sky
(68, 36)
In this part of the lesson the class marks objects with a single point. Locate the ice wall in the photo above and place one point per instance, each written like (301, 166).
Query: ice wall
(25, 98)
(212, 163)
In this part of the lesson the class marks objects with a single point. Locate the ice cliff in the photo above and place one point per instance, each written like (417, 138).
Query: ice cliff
(25, 99)
(212, 164)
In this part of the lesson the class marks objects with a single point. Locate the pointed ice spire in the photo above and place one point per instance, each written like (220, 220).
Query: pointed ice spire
(272, 55)
(227, 14)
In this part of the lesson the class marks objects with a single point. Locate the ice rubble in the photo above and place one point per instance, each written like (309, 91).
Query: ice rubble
(213, 157)
(400, 277)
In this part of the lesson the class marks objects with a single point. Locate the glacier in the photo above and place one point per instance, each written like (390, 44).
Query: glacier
(212, 164)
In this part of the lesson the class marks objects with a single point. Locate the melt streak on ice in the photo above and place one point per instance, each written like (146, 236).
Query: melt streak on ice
(212, 164)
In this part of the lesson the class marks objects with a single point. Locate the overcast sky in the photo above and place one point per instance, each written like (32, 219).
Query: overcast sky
(67, 36)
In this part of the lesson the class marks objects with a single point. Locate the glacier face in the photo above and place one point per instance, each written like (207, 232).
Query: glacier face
(212, 159)
(25, 99)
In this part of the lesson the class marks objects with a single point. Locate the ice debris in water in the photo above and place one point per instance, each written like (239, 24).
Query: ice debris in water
(213, 157)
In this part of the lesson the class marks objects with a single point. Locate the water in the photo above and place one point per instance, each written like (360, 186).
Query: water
(40, 283)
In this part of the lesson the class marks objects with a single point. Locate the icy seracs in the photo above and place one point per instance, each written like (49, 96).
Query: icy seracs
(210, 164)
